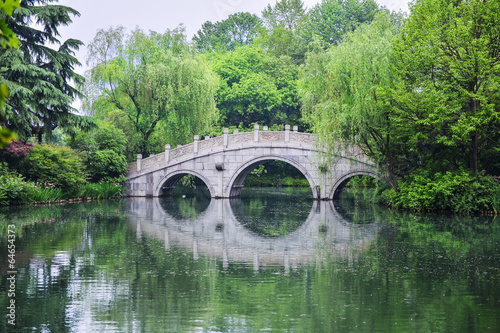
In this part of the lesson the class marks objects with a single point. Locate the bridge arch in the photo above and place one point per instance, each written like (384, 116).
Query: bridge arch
(237, 180)
(167, 184)
(341, 181)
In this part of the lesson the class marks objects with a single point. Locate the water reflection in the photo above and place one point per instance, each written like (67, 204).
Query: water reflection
(232, 231)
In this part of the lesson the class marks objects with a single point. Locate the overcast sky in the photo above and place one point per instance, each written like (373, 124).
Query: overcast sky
(162, 15)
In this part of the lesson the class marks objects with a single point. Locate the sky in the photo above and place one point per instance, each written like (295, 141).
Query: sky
(162, 15)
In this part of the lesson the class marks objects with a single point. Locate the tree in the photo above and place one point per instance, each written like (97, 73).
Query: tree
(39, 76)
(449, 57)
(7, 39)
(285, 13)
(346, 94)
(256, 88)
(332, 19)
(238, 29)
(281, 34)
(155, 82)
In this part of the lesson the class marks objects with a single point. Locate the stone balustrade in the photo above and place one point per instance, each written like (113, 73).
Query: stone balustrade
(221, 142)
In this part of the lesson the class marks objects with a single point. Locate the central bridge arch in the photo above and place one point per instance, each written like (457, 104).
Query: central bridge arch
(224, 162)
(236, 182)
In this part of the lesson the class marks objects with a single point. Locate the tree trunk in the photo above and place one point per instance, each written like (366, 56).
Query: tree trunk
(474, 144)
(473, 153)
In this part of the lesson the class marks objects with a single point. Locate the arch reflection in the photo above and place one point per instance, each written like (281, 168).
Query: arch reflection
(217, 232)
(272, 212)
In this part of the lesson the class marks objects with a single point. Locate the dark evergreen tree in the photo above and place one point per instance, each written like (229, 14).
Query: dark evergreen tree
(40, 73)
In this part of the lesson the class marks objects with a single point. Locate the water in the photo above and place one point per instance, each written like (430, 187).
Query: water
(272, 261)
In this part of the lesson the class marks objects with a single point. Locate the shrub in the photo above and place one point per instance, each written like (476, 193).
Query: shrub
(58, 165)
(13, 187)
(457, 191)
(106, 164)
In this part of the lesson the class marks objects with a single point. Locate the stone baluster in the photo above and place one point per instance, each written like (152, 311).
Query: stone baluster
(256, 133)
(139, 162)
(226, 134)
(265, 128)
(195, 144)
(287, 133)
(167, 153)
(295, 129)
(207, 137)
(235, 131)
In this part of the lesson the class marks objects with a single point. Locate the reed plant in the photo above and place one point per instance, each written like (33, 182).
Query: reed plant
(43, 192)
(104, 189)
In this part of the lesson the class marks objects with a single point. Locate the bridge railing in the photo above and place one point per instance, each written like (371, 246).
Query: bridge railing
(226, 140)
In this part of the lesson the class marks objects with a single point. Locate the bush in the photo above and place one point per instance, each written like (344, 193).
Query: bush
(106, 164)
(458, 191)
(61, 166)
(13, 187)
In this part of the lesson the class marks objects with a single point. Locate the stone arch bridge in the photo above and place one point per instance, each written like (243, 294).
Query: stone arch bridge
(224, 162)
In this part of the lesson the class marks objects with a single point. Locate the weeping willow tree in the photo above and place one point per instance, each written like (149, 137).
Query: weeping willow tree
(346, 93)
(155, 82)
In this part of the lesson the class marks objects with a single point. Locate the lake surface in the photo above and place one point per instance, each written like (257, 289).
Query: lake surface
(272, 261)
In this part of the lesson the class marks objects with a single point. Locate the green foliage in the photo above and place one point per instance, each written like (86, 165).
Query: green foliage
(238, 29)
(13, 187)
(448, 54)
(281, 34)
(331, 20)
(362, 182)
(43, 192)
(346, 95)
(103, 189)
(40, 78)
(7, 39)
(104, 149)
(459, 192)
(276, 173)
(61, 166)
(256, 88)
(159, 86)
(106, 163)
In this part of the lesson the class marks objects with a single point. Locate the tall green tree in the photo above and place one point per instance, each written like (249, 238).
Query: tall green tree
(154, 81)
(346, 95)
(281, 31)
(285, 13)
(330, 20)
(449, 57)
(256, 88)
(40, 73)
(238, 29)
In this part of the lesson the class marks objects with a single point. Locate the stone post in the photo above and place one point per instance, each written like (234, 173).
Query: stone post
(167, 153)
(235, 131)
(195, 144)
(295, 128)
(226, 139)
(256, 133)
(287, 133)
(207, 137)
(139, 162)
(265, 128)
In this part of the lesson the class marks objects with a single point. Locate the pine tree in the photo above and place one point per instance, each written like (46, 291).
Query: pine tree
(40, 72)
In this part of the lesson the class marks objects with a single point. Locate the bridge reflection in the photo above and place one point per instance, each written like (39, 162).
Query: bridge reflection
(214, 230)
